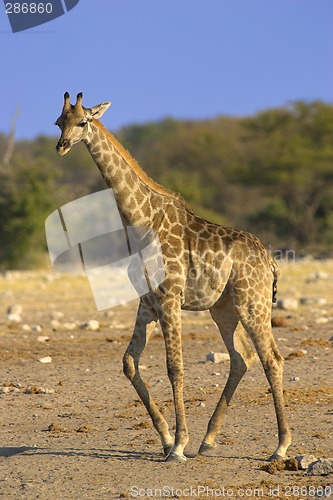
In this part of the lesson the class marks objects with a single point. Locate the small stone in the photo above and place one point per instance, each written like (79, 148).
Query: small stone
(306, 301)
(321, 275)
(45, 359)
(217, 357)
(201, 405)
(15, 309)
(305, 460)
(288, 304)
(91, 325)
(294, 379)
(14, 318)
(279, 322)
(55, 323)
(57, 315)
(36, 329)
(69, 326)
(42, 338)
(38, 390)
(5, 390)
(26, 328)
(322, 320)
(321, 467)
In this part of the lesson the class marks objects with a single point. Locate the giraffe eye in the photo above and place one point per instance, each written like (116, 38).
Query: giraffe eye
(82, 124)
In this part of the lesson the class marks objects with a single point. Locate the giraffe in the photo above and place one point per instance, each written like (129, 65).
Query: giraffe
(206, 266)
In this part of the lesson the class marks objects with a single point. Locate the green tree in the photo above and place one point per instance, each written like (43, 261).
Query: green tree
(289, 152)
(27, 196)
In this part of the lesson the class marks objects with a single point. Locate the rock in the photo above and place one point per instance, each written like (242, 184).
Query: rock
(42, 338)
(319, 275)
(91, 325)
(322, 320)
(36, 329)
(14, 313)
(38, 390)
(46, 359)
(9, 389)
(26, 328)
(288, 304)
(55, 324)
(305, 460)
(279, 322)
(294, 379)
(321, 467)
(5, 390)
(217, 357)
(201, 405)
(14, 318)
(15, 309)
(70, 325)
(307, 301)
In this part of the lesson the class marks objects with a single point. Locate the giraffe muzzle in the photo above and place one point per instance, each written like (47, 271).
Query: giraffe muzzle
(63, 147)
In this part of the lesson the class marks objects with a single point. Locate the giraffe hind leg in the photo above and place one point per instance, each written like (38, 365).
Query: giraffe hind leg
(255, 315)
(241, 358)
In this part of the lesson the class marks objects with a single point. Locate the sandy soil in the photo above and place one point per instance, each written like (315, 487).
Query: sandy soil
(74, 428)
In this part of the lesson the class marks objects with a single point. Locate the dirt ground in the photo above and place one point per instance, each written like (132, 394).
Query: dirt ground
(74, 428)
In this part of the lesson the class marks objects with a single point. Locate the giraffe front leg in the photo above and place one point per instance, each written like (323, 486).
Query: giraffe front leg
(140, 338)
(171, 327)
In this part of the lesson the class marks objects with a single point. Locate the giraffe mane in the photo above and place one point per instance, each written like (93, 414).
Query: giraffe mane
(137, 169)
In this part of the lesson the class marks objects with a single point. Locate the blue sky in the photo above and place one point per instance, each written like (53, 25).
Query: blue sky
(157, 58)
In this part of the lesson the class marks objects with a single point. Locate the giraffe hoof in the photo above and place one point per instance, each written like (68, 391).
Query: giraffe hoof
(206, 448)
(176, 458)
(167, 449)
(275, 456)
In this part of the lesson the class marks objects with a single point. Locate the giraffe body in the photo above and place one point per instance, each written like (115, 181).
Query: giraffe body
(206, 266)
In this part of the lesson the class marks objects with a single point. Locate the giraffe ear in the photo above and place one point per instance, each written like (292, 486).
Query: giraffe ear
(98, 111)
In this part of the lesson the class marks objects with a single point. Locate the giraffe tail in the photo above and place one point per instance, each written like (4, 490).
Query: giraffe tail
(276, 274)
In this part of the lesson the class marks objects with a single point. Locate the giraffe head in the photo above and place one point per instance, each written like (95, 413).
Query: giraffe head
(74, 122)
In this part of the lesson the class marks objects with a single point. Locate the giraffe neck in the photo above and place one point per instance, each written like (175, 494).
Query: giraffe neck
(141, 200)
(138, 197)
